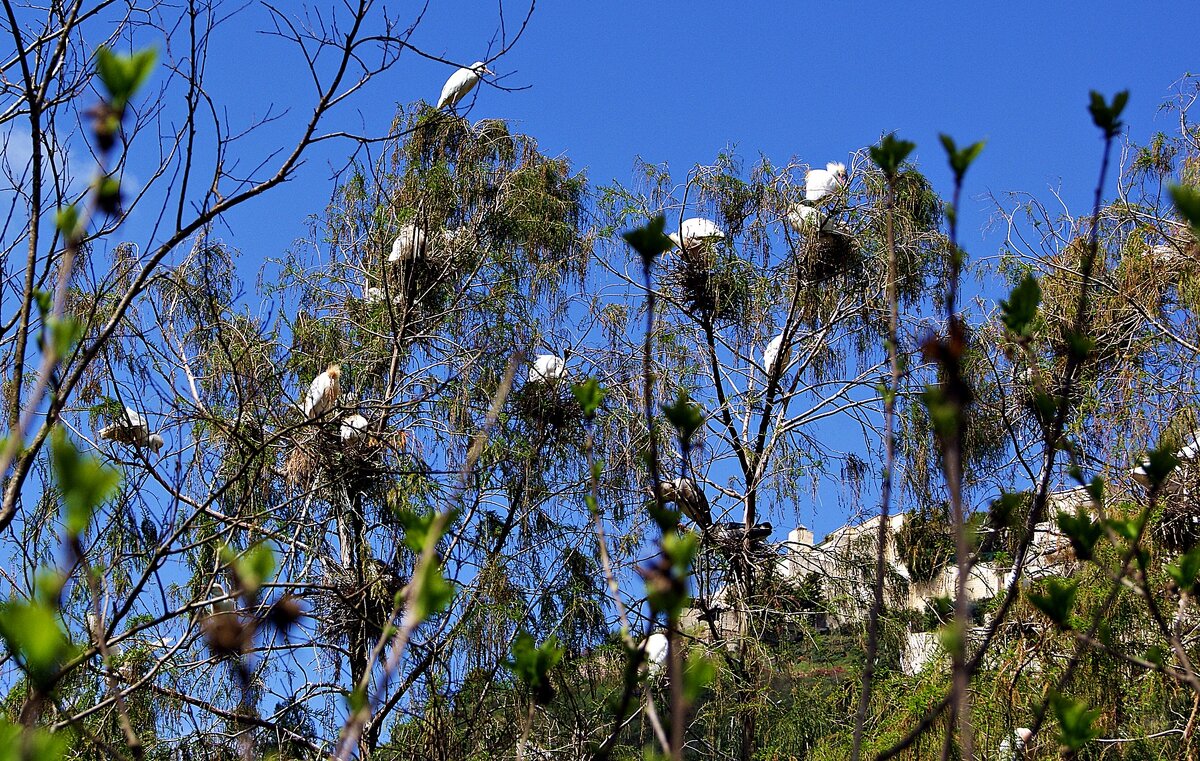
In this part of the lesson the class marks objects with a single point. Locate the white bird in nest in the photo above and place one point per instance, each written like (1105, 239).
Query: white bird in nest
(408, 245)
(689, 497)
(807, 219)
(819, 183)
(696, 231)
(133, 429)
(353, 427)
(547, 367)
(655, 646)
(461, 83)
(772, 353)
(323, 392)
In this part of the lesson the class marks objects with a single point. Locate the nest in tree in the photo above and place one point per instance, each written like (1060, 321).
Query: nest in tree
(711, 281)
(548, 406)
(358, 464)
(826, 254)
(1177, 526)
(349, 606)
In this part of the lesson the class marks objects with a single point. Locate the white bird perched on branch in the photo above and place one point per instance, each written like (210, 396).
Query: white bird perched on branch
(772, 353)
(132, 429)
(409, 243)
(353, 427)
(461, 83)
(323, 392)
(547, 367)
(1189, 452)
(695, 231)
(819, 183)
(690, 498)
(655, 646)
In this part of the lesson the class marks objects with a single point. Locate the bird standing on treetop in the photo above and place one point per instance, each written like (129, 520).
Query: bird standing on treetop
(460, 83)
(134, 429)
(819, 183)
(547, 367)
(695, 231)
(323, 392)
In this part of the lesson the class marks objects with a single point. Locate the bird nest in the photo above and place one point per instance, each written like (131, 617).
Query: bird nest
(347, 606)
(826, 254)
(359, 464)
(711, 281)
(548, 406)
(1177, 524)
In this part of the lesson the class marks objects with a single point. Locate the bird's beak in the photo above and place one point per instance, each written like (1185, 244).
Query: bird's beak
(486, 70)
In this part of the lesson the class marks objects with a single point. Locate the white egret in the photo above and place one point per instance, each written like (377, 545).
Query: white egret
(819, 183)
(655, 647)
(461, 83)
(373, 295)
(353, 427)
(1187, 453)
(690, 498)
(807, 219)
(695, 231)
(409, 243)
(547, 367)
(323, 392)
(132, 429)
(220, 605)
(1013, 747)
(772, 353)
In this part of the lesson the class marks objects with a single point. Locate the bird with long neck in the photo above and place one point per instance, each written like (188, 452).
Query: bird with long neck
(461, 83)
(323, 392)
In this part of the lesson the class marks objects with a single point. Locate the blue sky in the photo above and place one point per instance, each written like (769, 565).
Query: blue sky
(677, 82)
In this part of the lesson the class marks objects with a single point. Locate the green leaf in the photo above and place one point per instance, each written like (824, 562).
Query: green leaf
(66, 220)
(1187, 203)
(590, 395)
(123, 75)
(698, 673)
(960, 159)
(19, 743)
(649, 241)
(1127, 528)
(1057, 601)
(1075, 721)
(681, 547)
(1185, 570)
(254, 567)
(418, 526)
(890, 154)
(85, 482)
(1019, 311)
(1160, 463)
(1082, 531)
(684, 416)
(65, 332)
(32, 634)
(531, 664)
(434, 592)
(1107, 116)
